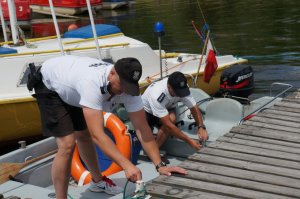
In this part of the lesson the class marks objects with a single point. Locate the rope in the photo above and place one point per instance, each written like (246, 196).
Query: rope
(124, 191)
(199, 6)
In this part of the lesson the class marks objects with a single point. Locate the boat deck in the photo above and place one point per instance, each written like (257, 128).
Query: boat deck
(258, 159)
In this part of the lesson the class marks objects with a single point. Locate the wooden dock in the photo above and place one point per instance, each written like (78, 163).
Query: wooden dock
(258, 159)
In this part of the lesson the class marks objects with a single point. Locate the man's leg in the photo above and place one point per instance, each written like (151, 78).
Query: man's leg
(163, 134)
(61, 166)
(88, 154)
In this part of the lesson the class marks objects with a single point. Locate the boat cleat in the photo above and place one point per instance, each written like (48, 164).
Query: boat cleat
(140, 191)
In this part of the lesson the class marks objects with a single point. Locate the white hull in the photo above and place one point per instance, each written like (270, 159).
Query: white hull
(116, 47)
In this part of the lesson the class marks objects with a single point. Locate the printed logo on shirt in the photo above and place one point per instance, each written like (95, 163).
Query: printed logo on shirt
(161, 98)
(99, 64)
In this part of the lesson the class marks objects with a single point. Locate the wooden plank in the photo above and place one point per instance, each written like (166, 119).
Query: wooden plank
(267, 133)
(285, 109)
(262, 140)
(294, 95)
(255, 151)
(287, 104)
(281, 112)
(251, 158)
(290, 100)
(276, 121)
(247, 165)
(242, 183)
(293, 98)
(271, 126)
(216, 188)
(165, 191)
(241, 173)
(278, 117)
(257, 144)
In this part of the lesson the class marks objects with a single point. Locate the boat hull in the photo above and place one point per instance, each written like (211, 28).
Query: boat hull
(19, 119)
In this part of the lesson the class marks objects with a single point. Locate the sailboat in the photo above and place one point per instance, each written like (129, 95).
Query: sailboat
(99, 41)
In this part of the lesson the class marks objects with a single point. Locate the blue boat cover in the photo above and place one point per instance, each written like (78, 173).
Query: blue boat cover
(4, 50)
(86, 31)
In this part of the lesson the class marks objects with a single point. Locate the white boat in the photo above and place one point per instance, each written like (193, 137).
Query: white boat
(16, 102)
(28, 183)
(114, 45)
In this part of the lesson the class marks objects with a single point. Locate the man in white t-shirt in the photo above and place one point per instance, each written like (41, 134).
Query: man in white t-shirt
(72, 96)
(159, 101)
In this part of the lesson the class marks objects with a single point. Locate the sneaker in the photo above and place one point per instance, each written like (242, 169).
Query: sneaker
(106, 185)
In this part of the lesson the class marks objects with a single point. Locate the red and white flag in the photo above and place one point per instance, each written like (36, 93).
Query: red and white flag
(211, 64)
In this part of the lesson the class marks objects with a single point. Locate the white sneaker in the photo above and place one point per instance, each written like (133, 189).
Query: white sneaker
(106, 185)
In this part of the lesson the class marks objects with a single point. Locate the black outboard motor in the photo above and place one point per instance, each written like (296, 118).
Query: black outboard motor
(238, 81)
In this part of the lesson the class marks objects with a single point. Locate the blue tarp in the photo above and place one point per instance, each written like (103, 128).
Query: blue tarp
(4, 50)
(86, 31)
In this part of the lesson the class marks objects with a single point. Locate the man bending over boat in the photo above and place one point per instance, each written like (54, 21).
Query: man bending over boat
(72, 96)
(159, 101)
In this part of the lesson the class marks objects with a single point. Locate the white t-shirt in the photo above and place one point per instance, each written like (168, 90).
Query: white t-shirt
(157, 99)
(82, 81)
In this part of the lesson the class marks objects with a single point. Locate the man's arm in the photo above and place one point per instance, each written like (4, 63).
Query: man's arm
(94, 120)
(145, 135)
(146, 138)
(199, 121)
(175, 131)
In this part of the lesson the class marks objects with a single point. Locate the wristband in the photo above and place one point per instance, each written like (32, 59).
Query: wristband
(161, 164)
(202, 126)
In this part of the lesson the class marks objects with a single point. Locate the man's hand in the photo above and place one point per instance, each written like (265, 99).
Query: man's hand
(168, 170)
(202, 133)
(195, 144)
(133, 173)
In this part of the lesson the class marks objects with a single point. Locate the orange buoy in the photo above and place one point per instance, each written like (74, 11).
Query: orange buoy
(118, 130)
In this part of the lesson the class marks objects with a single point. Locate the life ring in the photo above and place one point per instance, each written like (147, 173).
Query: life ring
(118, 130)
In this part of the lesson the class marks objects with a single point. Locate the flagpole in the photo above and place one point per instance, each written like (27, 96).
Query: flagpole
(201, 58)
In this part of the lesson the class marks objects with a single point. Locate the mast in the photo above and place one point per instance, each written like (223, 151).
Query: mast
(13, 20)
(93, 28)
(3, 24)
(56, 27)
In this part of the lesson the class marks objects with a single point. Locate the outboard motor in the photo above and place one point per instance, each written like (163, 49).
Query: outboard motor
(238, 81)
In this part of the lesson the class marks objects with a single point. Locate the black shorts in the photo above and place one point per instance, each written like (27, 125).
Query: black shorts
(153, 121)
(58, 118)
